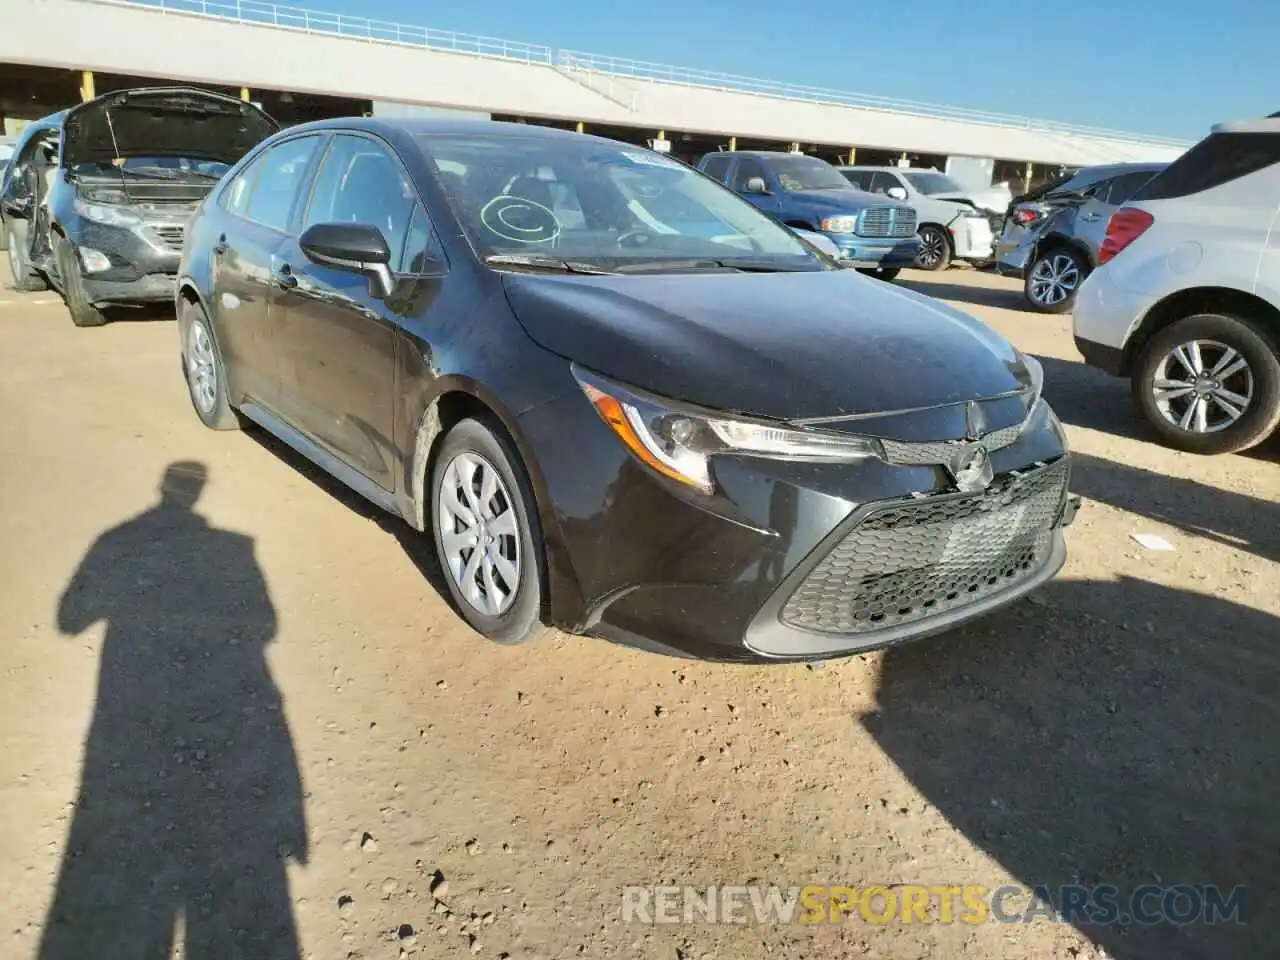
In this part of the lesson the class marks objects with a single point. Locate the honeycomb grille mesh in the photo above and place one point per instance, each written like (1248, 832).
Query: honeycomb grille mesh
(916, 559)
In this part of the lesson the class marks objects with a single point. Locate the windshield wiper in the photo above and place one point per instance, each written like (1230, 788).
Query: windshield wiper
(545, 263)
(704, 263)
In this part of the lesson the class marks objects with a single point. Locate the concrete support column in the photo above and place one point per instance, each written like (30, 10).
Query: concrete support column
(86, 85)
(244, 94)
(1026, 176)
(853, 156)
(733, 144)
(582, 127)
(904, 160)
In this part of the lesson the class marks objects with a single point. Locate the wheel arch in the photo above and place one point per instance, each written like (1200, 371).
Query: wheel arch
(1055, 241)
(458, 398)
(941, 228)
(1188, 302)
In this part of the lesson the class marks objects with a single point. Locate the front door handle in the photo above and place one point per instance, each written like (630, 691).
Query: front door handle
(284, 277)
(1091, 217)
(220, 247)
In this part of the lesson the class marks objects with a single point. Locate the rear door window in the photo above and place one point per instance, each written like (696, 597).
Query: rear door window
(717, 167)
(858, 178)
(1215, 160)
(276, 187)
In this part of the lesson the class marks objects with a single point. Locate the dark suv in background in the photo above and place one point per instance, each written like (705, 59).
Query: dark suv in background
(98, 197)
(1052, 235)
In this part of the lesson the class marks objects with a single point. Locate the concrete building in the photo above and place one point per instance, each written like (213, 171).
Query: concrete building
(302, 64)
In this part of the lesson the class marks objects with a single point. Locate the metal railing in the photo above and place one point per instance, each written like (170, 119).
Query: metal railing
(591, 63)
(260, 13)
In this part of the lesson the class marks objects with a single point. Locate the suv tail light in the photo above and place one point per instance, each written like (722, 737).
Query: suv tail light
(1126, 225)
(1025, 216)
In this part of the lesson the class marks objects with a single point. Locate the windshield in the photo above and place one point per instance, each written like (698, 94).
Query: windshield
(602, 204)
(930, 183)
(806, 173)
(163, 168)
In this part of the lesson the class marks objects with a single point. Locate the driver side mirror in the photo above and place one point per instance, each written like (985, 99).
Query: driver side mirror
(357, 247)
(756, 185)
(897, 193)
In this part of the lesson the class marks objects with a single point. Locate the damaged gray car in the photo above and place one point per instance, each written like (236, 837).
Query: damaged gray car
(97, 198)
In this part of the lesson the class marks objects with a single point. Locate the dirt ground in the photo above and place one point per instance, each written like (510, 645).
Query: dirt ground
(283, 733)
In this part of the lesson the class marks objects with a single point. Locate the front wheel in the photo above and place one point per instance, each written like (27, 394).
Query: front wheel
(1054, 280)
(887, 274)
(487, 534)
(83, 313)
(204, 371)
(21, 276)
(935, 249)
(1210, 384)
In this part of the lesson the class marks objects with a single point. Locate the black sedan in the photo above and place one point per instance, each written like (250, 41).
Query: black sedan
(623, 402)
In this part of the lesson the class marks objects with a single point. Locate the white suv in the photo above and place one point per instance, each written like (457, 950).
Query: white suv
(1186, 300)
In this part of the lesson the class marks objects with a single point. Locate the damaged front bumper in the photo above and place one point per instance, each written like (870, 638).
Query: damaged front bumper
(124, 265)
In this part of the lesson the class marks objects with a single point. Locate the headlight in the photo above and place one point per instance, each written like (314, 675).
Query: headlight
(1036, 372)
(678, 441)
(107, 213)
(839, 225)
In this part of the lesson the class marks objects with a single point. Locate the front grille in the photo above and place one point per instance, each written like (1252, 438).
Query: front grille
(169, 234)
(914, 559)
(887, 222)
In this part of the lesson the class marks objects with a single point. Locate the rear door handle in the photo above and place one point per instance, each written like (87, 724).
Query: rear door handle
(220, 247)
(1091, 217)
(284, 277)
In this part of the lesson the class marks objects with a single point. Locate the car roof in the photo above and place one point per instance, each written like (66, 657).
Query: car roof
(1267, 124)
(1104, 169)
(446, 126)
(755, 153)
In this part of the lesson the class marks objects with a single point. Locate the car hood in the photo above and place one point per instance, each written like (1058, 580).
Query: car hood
(163, 122)
(994, 199)
(785, 345)
(840, 200)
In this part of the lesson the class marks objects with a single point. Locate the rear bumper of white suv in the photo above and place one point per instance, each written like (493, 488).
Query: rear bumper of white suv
(1103, 319)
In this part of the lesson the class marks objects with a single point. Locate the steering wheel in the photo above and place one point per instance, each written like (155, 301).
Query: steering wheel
(634, 238)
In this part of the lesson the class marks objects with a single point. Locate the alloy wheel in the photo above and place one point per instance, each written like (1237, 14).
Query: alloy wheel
(1054, 279)
(202, 368)
(932, 248)
(1203, 386)
(479, 533)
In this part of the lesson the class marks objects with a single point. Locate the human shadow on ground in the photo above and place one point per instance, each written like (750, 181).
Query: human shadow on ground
(190, 801)
(1118, 732)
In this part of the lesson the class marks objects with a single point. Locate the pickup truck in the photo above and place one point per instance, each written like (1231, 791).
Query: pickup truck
(875, 235)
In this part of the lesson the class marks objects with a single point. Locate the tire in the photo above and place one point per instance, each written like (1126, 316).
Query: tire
(1222, 341)
(83, 313)
(21, 276)
(887, 274)
(512, 612)
(935, 249)
(203, 371)
(1054, 279)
